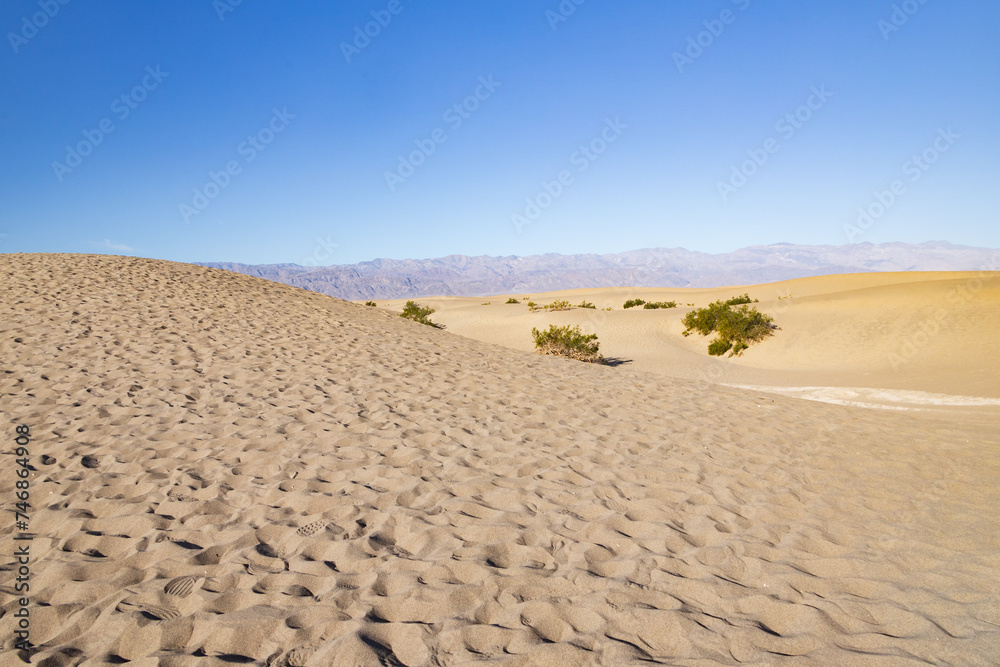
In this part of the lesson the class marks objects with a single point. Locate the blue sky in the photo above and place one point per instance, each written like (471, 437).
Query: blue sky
(268, 132)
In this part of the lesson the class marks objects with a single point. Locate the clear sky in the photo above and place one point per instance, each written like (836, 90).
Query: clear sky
(325, 132)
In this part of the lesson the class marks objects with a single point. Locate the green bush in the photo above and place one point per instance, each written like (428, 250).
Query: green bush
(743, 326)
(567, 341)
(737, 300)
(371, 303)
(417, 313)
(559, 304)
(735, 328)
(653, 305)
(587, 304)
(719, 347)
(512, 300)
(703, 320)
(485, 303)
(632, 303)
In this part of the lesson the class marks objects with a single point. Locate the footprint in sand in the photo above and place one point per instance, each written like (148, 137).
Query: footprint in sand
(293, 590)
(181, 586)
(259, 570)
(616, 505)
(354, 582)
(157, 612)
(278, 541)
(298, 657)
(221, 584)
(311, 529)
(613, 499)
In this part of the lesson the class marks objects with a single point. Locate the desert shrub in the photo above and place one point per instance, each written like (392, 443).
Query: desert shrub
(567, 341)
(417, 313)
(737, 300)
(691, 304)
(632, 303)
(719, 347)
(532, 305)
(653, 305)
(743, 326)
(608, 308)
(587, 304)
(559, 304)
(703, 320)
(371, 303)
(486, 303)
(735, 328)
(512, 300)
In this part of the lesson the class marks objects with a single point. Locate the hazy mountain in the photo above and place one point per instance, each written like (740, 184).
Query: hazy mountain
(459, 275)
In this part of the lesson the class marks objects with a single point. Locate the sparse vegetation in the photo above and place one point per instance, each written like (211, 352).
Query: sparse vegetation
(587, 304)
(413, 311)
(512, 300)
(559, 304)
(736, 328)
(691, 304)
(608, 308)
(485, 304)
(568, 341)
(737, 300)
(649, 305)
(371, 303)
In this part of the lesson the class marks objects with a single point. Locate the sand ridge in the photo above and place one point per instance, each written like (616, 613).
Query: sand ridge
(245, 471)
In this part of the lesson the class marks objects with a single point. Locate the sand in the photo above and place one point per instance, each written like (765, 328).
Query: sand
(241, 471)
(932, 332)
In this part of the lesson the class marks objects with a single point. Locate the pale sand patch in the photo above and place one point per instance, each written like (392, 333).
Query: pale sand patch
(866, 397)
(237, 471)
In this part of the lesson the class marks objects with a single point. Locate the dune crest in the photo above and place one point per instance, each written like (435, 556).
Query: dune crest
(236, 470)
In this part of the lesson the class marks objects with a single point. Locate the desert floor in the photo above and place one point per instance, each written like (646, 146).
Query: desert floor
(226, 470)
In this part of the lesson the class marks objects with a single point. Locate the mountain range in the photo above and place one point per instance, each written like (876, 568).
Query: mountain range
(460, 275)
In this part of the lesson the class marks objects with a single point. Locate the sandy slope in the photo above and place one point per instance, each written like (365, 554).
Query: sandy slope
(921, 331)
(243, 471)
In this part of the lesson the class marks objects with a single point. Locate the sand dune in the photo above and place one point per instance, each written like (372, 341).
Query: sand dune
(921, 331)
(230, 470)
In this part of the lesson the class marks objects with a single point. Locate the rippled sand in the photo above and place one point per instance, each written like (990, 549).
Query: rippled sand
(241, 471)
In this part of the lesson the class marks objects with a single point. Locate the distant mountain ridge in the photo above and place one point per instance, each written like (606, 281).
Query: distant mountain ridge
(460, 275)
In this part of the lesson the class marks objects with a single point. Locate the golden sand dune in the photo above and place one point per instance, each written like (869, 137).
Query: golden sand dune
(230, 470)
(922, 331)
